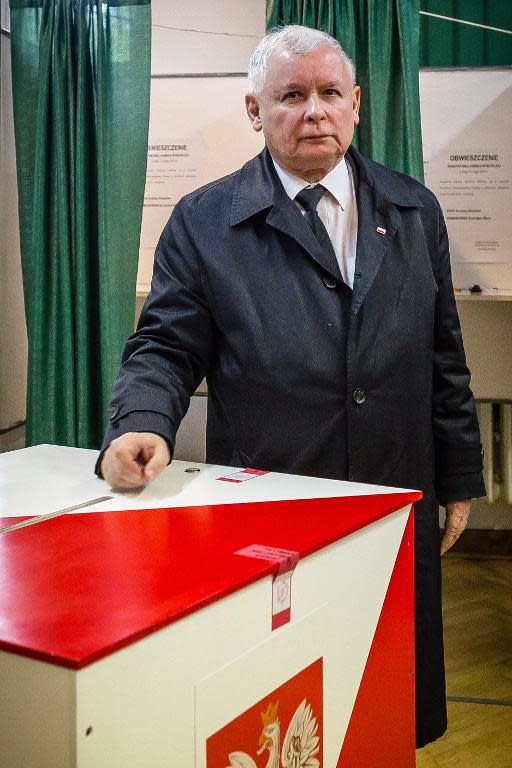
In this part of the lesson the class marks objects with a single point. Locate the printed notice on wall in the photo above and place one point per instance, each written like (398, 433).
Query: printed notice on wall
(190, 146)
(173, 170)
(466, 119)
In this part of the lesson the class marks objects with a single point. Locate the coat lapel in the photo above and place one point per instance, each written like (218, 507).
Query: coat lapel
(259, 188)
(376, 230)
(380, 195)
(286, 217)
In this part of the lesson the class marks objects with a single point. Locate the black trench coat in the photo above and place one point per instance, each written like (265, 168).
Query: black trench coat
(243, 294)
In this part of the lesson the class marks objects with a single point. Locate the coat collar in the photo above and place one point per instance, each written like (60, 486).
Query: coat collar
(259, 187)
(387, 186)
(380, 193)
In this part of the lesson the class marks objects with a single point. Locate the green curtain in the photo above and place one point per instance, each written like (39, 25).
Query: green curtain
(448, 44)
(81, 76)
(382, 40)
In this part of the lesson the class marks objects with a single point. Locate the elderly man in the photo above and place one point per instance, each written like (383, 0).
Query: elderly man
(312, 288)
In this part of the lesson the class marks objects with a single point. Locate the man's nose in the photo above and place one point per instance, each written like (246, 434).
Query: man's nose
(314, 108)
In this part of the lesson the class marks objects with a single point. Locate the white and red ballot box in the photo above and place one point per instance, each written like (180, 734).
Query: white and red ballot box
(218, 618)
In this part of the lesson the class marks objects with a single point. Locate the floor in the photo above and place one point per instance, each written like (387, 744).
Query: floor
(478, 647)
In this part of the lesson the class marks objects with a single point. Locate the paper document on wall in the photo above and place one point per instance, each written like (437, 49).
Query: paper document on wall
(198, 132)
(466, 119)
(173, 170)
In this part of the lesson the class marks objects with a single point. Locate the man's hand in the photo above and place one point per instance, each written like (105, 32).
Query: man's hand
(457, 513)
(134, 459)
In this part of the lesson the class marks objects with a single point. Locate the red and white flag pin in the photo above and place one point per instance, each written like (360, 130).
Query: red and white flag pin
(381, 230)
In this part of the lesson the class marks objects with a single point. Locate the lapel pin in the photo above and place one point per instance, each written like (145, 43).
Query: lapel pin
(381, 230)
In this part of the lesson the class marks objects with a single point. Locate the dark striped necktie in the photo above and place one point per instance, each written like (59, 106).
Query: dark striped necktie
(309, 199)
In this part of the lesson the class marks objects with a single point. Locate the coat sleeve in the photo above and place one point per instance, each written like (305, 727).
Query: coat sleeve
(455, 424)
(167, 357)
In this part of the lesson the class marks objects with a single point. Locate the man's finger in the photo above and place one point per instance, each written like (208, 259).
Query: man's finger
(449, 538)
(123, 464)
(131, 468)
(120, 476)
(158, 461)
(457, 513)
(125, 480)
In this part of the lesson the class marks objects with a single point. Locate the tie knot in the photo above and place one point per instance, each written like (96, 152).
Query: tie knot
(310, 197)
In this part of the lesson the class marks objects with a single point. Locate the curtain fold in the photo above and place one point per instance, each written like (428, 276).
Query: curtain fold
(81, 81)
(383, 40)
(449, 44)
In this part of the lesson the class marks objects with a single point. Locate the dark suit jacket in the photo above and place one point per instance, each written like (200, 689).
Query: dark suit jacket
(243, 293)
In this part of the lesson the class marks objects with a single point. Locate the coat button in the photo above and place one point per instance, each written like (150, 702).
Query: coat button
(113, 411)
(330, 281)
(359, 396)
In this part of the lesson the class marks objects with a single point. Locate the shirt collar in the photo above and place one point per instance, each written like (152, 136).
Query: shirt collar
(336, 182)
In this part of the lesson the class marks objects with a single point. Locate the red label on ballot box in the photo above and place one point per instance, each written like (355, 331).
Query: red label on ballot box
(282, 584)
(286, 558)
(243, 474)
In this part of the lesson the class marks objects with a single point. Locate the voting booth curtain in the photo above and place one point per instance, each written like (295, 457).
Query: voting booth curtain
(382, 40)
(445, 43)
(81, 77)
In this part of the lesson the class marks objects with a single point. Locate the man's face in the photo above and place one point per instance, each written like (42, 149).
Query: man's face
(307, 110)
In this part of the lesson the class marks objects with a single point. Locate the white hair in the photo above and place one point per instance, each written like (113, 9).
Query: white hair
(299, 40)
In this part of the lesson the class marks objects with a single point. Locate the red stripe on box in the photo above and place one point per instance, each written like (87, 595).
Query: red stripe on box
(383, 712)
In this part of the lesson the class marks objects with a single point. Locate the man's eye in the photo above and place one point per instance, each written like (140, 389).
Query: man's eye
(291, 95)
(331, 92)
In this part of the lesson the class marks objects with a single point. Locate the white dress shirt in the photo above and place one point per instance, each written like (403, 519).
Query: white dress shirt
(337, 209)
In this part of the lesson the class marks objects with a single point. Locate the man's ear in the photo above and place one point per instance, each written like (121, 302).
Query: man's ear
(356, 103)
(253, 111)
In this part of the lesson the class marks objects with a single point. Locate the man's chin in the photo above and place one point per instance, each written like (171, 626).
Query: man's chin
(317, 162)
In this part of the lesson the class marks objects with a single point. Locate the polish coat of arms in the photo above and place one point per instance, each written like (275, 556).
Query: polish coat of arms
(282, 730)
(300, 744)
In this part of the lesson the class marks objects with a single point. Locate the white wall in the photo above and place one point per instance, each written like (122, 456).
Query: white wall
(215, 36)
(487, 328)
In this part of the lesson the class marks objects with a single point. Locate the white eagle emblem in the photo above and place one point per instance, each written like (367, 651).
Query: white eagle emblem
(300, 744)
